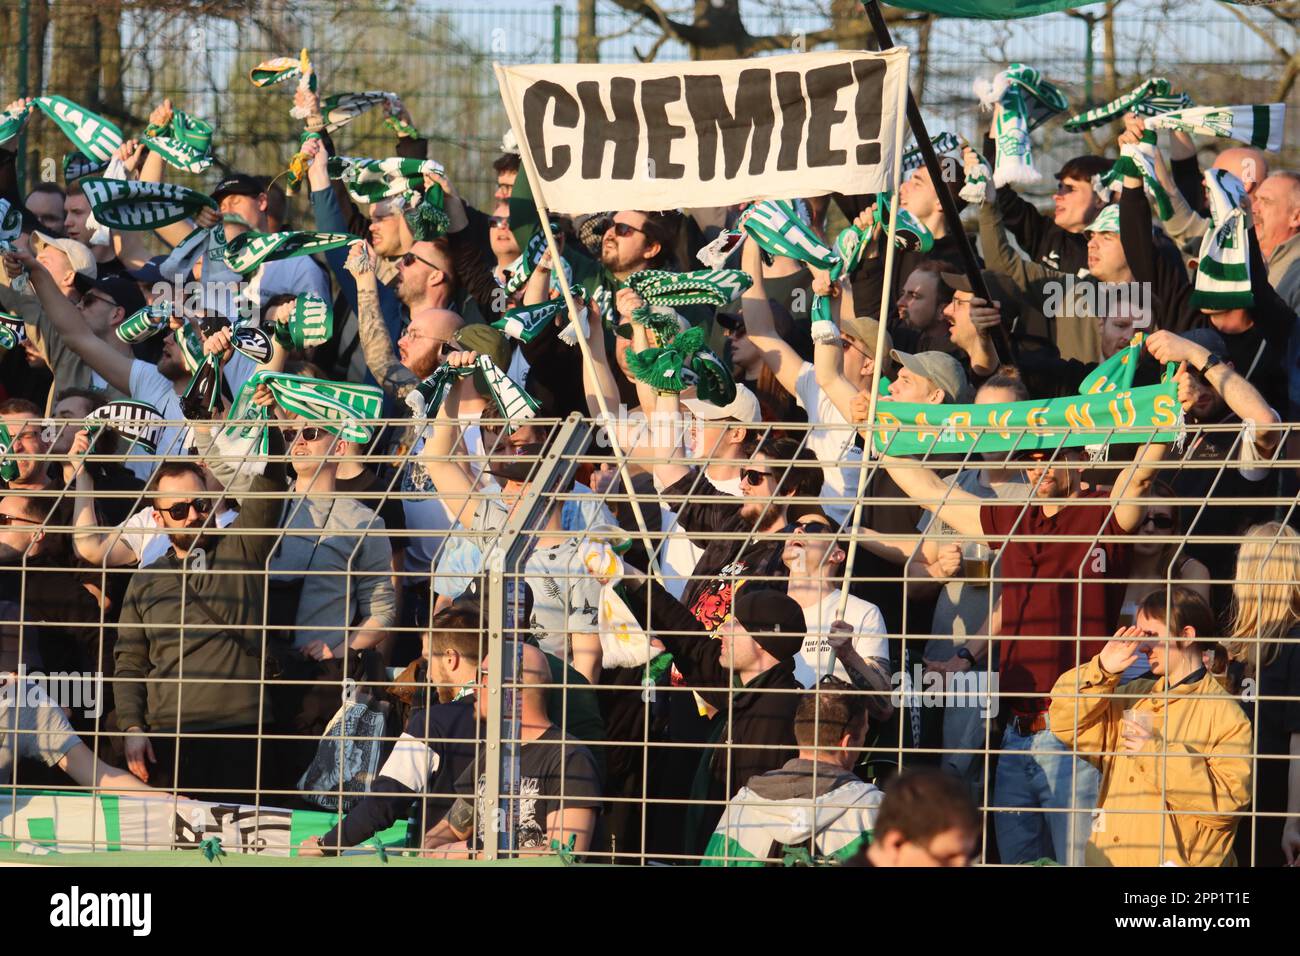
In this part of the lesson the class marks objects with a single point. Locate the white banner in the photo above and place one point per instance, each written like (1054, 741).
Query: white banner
(710, 133)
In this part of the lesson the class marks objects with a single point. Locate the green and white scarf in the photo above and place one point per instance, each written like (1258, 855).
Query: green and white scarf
(1139, 161)
(138, 206)
(1223, 270)
(275, 70)
(190, 345)
(529, 321)
(13, 331)
(425, 214)
(369, 181)
(1151, 98)
(76, 165)
(515, 276)
(682, 362)
(202, 397)
(247, 251)
(974, 188)
(139, 422)
(944, 142)
(201, 243)
(850, 246)
(910, 235)
(311, 323)
(89, 132)
(1022, 101)
(146, 323)
(8, 467)
(1261, 126)
(715, 287)
(777, 228)
(185, 143)
(11, 223)
(509, 397)
(342, 108)
(343, 406)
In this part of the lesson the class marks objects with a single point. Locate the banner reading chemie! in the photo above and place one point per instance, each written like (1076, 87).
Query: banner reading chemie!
(712, 133)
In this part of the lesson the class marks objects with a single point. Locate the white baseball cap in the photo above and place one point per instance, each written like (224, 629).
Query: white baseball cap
(743, 408)
(79, 255)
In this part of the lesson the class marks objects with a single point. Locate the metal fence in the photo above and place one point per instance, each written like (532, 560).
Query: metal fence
(271, 801)
(439, 59)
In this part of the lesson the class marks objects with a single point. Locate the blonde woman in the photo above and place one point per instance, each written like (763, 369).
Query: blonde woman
(1262, 645)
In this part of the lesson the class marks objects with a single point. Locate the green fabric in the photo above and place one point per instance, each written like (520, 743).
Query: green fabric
(777, 228)
(90, 133)
(8, 467)
(369, 181)
(276, 70)
(1106, 400)
(11, 222)
(247, 251)
(1223, 269)
(527, 322)
(1260, 125)
(1139, 161)
(943, 142)
(311, 323)
(986, 9)
(342, 108)
(509, 397)
(185, 143)
(1152, 97)
(425, 214)
(682, 362)
(339, 405)
(138, 206)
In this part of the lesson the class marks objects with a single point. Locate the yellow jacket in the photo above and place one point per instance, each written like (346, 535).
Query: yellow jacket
(1192, 775)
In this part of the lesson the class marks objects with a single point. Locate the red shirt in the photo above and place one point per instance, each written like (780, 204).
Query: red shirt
(1047, 603)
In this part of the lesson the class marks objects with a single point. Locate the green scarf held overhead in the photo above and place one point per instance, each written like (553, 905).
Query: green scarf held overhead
(89, 132)
(715, 287)
(138, 206)
(777, 228)
(343, 406)
(1223, 269)
(1152, 98)
(202, 397)
(369, 181)
(246, 252)
(1106, 407)
(342, 108)
(1261, 126)
(311, 323)
(146, 323)
(425, 214)
(529, 321)
(987, 9)
(943, 142)
(275, 70)
(910, 235)
(185, 143)
(9, 339)
(682, 362)
(190, 345)
(8, 467)
(516, 274)
(1021, 101)
(509, 397)
(75, 166)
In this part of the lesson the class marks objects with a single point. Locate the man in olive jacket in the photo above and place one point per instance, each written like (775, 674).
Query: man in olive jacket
(196, 614)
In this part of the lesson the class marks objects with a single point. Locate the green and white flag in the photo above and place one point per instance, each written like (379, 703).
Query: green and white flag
(1151, 98)
(369, 181)
(311, 323)
(1107, 410)
(1021, 101)
(839, 823)
(185, 143)
(247, 251)
(1223, 269)
(342, 108)
(1261, 126)
(715, 287)
(89, 132)
(529, 321)
(138, 206)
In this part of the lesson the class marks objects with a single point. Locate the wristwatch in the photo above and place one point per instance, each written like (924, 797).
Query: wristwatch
(968, 658)
(1213, 360)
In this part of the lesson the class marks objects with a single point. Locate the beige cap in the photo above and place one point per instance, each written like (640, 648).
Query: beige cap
(79, 255)
(865, 330)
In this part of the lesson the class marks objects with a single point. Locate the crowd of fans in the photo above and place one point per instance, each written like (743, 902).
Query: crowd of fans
(1137, 632)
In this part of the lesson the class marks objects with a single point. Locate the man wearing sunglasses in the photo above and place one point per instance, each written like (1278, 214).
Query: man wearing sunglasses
(1053, 592)
(1212, 392)
(179, 617)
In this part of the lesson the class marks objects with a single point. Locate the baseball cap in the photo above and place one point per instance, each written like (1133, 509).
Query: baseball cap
(743, 408)
(150, 272)
(79, 255)
(119, 288)
(938, 367)
(239, 184)
(865, 330)
(1107, 220)
(1207, 339)
(481, 338)
(773, 619)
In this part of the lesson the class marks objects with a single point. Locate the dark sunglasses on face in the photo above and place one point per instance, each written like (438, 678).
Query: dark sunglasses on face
(816, 527)
(623, 230)
(411, 258)
(1159, 522)
(310, 433)
(10, 520)
(753, 477)
(181, 510)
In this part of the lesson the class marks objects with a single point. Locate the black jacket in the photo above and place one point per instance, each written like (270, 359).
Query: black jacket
(1039, 235)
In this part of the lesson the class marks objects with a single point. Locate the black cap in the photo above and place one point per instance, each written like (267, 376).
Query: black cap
(517, 589)
(773, 619)
(117, 287)
(239, 184)
(1207, 338)
(150, 272)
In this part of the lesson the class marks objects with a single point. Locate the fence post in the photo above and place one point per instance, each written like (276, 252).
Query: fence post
(504, 568)
(557, 33)
(24, 39)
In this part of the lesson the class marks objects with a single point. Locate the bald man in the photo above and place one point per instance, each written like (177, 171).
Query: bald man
(551, 764)
(1186, 227)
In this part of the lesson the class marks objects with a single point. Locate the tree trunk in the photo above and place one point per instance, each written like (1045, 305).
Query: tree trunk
(588, 42)
(720, 23)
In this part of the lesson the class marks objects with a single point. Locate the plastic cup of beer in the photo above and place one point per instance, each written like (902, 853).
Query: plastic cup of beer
(976, 562)
(1139, 718)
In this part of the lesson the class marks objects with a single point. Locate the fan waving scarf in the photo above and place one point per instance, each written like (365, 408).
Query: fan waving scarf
(369, 181)
(250, 249)
(185, 143)
(131, 205)
(1152, 98)
(93, 135)
(342, 405)
(342, 108)
(681, 363)
(507, 395)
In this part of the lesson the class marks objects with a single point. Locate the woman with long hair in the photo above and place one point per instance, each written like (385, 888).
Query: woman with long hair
(1266, 660)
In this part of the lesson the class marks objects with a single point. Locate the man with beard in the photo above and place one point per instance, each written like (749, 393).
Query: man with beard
(435, 748)
(181, 618)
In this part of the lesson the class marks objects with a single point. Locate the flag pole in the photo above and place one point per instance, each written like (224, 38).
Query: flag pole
(946, 201)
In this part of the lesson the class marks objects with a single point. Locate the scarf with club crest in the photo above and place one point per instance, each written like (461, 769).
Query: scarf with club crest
(1022, 101)
(1261, 126)
(509, 397)
(1151, 98)
(185, 142)
(1223, 269)
(13, 331)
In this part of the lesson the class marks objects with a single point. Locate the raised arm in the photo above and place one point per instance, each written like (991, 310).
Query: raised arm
(957, 508)
(452, 479)
(97, 548)
(1133, 484)
(780, 357)
(828, 358)
(376, 344)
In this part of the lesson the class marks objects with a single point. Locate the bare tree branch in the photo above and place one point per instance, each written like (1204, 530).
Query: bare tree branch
(1259, 31)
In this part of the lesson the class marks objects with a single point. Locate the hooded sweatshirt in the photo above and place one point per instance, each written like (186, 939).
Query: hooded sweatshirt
(804, 801)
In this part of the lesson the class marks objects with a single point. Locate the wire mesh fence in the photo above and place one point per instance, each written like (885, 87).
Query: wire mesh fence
(290, 675)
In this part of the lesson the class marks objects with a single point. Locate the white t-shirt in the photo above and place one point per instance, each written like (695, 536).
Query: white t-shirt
(834, 448)
(151, 386)
(142, 535)
(816, 658)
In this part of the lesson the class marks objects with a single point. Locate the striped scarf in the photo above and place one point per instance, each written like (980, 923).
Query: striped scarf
(247, 251)
(369, 181)
(139, 206)
(682, 362)
(1223, 270)
(529, 321)
(944, 142)
(311, 323)
(1139, 161)
(342, 108)
(185, 143)
(1261, 126)
(92, 135)
(506, 394)
(342, 406)
(1022, 101)
(1151, 98)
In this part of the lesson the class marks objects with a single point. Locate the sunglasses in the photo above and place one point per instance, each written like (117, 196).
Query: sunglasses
(411, 259)
(815, 527)
(623, 230)
(10, 520)
(181, 510)
(309, 433)
(753, 477)
(1159, 522)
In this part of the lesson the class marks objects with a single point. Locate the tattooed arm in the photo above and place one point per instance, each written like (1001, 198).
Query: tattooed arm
(376, 344)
